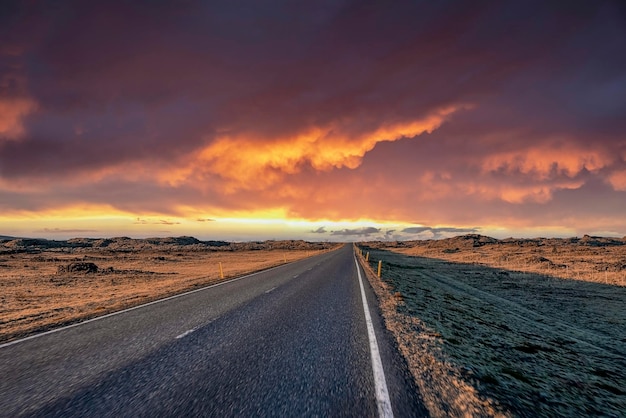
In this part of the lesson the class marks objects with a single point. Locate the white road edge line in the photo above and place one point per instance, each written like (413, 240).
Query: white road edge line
(52, 331)
(184, 334)
(380, 384)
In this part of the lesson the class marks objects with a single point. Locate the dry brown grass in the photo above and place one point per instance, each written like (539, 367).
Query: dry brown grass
(600, 260)
(34, 296)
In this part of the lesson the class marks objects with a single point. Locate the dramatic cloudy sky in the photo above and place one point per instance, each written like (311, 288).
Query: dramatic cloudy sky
(335, 120)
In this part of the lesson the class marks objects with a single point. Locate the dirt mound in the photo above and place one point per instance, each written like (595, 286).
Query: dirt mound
(78, 267)
(473, 240)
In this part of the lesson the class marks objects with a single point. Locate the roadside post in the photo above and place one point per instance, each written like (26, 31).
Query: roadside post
(380, 266)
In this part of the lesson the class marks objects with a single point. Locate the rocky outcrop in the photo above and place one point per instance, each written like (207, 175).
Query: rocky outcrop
(78, 267)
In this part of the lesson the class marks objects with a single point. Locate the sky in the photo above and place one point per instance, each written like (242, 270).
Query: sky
(326, 120)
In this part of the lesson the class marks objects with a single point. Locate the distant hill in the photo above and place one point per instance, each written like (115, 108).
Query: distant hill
(474, 240)
(5, 237)
(125, 244)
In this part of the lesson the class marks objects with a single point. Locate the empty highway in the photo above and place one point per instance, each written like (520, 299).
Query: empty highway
(289, 341)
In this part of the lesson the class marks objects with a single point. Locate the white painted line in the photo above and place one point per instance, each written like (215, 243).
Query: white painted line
(267, 291)
(184, 334)
(380, 384)
(52, 331)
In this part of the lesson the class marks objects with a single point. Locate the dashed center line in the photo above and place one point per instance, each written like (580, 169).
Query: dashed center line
(267, 291)
(184, 334)
(123, 311)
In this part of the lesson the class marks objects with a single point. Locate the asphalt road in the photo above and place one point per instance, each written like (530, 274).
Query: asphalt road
(290, 341)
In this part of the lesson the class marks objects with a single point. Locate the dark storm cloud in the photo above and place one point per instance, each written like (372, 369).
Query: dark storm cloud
(122, 80)
(437, 231)
(107, 100)
(365, 231)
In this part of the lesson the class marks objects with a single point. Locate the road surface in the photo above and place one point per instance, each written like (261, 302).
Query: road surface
(290, 341)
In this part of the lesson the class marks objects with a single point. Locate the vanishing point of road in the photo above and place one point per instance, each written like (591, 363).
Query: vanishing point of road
(294, 340)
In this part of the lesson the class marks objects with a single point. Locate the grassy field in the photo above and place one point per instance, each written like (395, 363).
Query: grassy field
(506, 340)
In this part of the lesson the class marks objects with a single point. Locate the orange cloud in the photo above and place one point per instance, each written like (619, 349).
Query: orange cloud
(65, 212)
(534, 193)
(435, 187)
(248, 162)
(618, 180)
(12, 113)
(548, 161)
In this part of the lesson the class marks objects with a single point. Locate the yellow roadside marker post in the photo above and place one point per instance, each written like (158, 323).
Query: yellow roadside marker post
(221, 271)
(367, 256)
(380, 266)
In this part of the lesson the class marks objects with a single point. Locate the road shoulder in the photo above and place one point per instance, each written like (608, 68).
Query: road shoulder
(440, 384)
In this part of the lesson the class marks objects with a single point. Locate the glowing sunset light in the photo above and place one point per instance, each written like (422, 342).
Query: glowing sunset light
(336, 121)
(255, 163)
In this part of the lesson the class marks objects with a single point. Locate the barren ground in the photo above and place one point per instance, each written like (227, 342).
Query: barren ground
(496, 330)
(38, 293)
